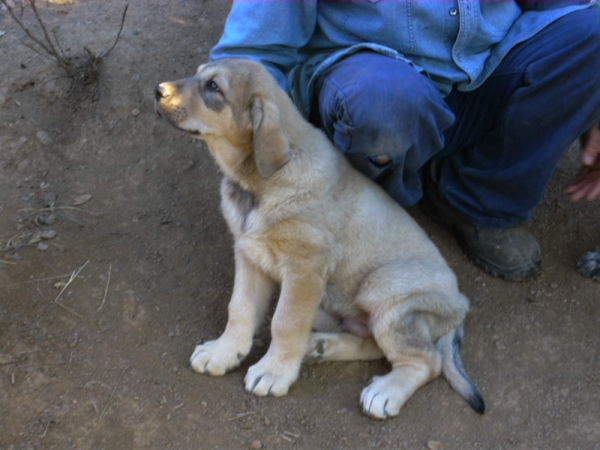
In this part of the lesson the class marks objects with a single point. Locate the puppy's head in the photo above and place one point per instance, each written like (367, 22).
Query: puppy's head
(234, 100)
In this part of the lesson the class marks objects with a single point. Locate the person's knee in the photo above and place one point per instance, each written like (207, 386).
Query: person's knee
(582, 35)
(579, 58)
(380, 114)
(387, 118)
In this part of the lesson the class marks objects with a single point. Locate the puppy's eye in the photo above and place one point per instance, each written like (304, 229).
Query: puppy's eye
(213, 86)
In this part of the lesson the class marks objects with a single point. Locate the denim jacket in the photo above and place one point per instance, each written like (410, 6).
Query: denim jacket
(457, 43)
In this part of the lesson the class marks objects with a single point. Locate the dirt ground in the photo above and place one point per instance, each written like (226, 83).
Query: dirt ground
(100, 360)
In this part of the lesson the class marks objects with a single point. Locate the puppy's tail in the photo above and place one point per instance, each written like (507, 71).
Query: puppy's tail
(452, 367)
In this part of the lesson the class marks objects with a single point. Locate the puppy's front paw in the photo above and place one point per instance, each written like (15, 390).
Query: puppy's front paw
(383, 398)
(271, 377)
(216, 357)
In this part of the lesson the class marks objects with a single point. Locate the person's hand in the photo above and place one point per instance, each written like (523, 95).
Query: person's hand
(587, 185)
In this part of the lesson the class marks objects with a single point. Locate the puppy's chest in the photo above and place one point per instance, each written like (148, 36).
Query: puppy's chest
(239, 206)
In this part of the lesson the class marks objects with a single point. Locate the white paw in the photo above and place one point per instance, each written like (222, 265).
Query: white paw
(269, 377)
(216, 357)
(383, 398)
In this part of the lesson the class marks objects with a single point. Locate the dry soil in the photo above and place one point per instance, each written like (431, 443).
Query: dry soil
(100, 360)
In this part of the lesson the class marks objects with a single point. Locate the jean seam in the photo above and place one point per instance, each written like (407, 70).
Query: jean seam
(340, 101)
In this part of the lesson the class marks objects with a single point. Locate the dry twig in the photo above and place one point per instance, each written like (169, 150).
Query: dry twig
(112, 395)
(106, 289)
(73, 276)
(82, 71)
(240, 415)
(58, 208)
(40, 279)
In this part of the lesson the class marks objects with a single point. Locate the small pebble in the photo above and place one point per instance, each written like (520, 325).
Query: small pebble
(500, 345)
(43, 247)
(3, 96)
(23, 166)
(435, 445)
(135, 112)
(43, 137)
(5, 358)
(49, 199)
(48, 234)
(554, 286)
(46, 219)
(80, 200)
(257, 445)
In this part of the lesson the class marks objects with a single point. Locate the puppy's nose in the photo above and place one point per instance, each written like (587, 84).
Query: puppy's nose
(160, 92)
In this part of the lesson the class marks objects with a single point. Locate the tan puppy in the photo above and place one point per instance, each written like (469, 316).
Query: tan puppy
(347, 258)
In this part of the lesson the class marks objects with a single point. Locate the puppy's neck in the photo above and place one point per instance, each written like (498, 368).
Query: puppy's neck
(235, 161)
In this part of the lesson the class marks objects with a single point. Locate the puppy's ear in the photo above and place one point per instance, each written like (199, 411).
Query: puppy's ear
(271, 145)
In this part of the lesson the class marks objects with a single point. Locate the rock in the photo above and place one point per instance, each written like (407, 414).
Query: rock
(43, 247)
(23, 166)
(43, 137)
(48, 234)
(49, 199)
(50, 89)
(3, 96)
(80, 200)
(257, 445)
(46, 219)
(135, 112)
(435, 445)
(6, 359)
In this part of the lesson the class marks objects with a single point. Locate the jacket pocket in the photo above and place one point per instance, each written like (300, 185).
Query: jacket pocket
(379, 22)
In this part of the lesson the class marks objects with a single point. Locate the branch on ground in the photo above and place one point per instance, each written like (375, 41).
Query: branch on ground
(82, 71)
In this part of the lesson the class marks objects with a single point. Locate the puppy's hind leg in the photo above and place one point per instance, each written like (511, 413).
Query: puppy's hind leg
(341, 347)
(408, 346)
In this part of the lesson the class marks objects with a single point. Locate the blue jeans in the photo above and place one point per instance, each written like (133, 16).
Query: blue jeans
(498, 146)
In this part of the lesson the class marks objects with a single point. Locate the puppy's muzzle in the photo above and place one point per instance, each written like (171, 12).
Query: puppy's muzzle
(160, 92)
